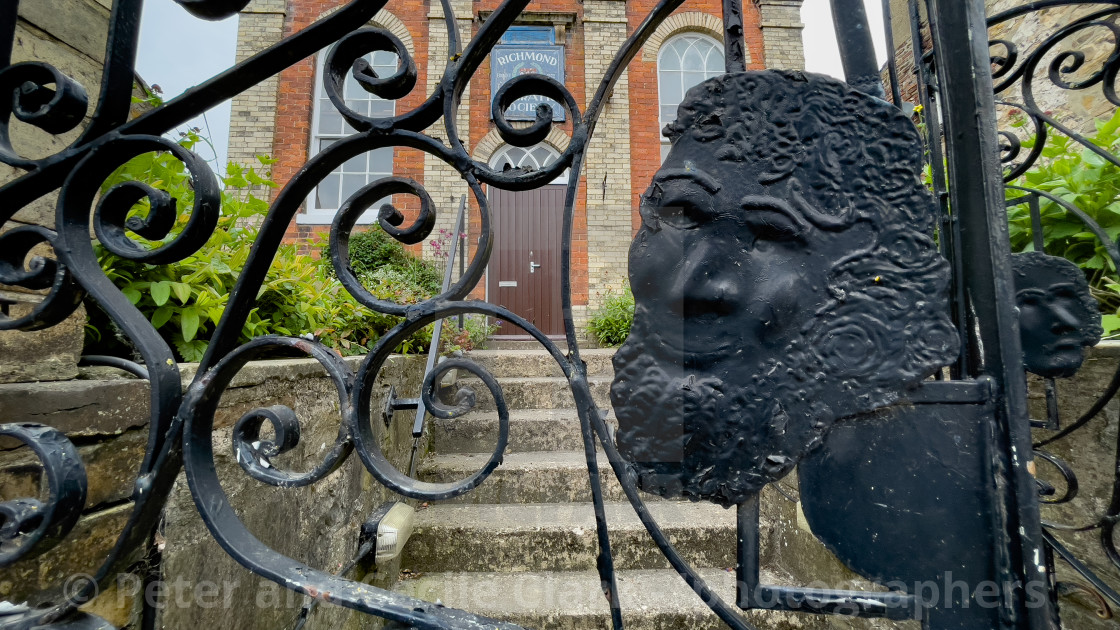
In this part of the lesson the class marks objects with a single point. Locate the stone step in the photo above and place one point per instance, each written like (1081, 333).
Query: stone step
(529, 430)
(532, 344)
(538, 392)
(526, 477)
(562, 537)
(650, 599)
(537, 362)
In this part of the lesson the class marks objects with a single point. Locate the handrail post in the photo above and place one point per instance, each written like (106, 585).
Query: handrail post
(433, 348)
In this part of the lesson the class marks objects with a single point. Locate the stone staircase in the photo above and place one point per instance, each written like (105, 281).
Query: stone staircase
(522, 546)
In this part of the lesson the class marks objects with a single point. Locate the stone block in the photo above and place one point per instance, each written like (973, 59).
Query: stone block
(77, 408)
(42, 355)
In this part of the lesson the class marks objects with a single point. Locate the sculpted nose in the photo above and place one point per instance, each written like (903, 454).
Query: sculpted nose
(1063, 319)
(703, 285)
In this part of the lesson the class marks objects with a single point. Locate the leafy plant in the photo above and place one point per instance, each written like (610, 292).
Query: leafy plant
(1077, 175)
(476, 330)
(376, 256)
(611, 323)
(185, 301)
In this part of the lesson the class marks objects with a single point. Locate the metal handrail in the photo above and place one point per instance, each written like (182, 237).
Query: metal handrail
(437, 331)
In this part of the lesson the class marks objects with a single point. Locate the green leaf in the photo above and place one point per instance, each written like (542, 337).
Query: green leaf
(189, 321)
(182, 291)
(1111, 323)
(132, 294)
(160, 292)
(162, 314)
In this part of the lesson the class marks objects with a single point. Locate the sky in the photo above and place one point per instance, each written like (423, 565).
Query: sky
(178, 51)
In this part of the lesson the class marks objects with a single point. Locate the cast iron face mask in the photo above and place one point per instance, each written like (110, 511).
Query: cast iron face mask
(784, 278)
(1058, 316)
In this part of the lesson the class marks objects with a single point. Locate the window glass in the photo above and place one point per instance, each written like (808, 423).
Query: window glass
(329, 127)
(684, 61)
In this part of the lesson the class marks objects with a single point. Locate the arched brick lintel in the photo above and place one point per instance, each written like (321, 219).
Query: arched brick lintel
(694, 21)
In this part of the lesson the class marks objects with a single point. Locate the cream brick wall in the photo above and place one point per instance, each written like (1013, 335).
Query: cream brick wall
(444, 183)
(253, 112)
(781, 33)
(608, 155)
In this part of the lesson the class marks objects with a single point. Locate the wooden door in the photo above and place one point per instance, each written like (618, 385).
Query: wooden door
(524, 272)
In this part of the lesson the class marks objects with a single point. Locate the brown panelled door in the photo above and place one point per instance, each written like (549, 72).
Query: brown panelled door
(524, 272)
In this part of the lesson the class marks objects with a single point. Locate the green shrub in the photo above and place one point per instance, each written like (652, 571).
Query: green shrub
(184, 301)
(611, 323)
(376, 255)
(1077, 175)
(476, 330)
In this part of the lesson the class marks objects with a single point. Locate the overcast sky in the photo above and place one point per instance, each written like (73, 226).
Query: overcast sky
(178, 51)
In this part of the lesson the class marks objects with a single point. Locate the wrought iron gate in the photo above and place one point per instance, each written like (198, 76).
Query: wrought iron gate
(976, 410)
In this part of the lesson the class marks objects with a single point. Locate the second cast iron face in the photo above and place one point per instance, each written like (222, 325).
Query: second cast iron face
(784, 277)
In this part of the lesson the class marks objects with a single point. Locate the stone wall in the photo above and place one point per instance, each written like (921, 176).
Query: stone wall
(1077, 108)
(198, 584)
(70, 35)
(781, 33)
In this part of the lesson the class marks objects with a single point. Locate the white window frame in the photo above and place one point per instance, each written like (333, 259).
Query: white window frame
(502, 151)
(313, 215)
(660, 89)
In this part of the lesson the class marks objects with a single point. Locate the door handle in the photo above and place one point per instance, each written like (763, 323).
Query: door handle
(533, 267)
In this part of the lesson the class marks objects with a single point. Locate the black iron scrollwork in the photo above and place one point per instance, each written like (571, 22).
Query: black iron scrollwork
(803, 169)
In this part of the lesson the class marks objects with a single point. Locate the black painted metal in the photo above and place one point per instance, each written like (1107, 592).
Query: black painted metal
(833, 187)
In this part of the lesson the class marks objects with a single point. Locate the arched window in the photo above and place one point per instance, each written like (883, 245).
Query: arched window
(328, 126)
(535, 158)
(683, 61)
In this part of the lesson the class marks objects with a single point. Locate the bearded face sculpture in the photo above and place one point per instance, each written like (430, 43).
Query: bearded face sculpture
(784, 277)
(1058, 316)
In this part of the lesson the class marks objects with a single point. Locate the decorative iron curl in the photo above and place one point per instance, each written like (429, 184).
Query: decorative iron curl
(347, 57)
(111, 221)
(1012, 145)
(367, 442)
(531, 85)
(1002, 64)
(1046, 490)
(29, 527)
(39, 272)
(24, 93)
(199, 406)
(254, 454)
(1005, 70)
(213, 9)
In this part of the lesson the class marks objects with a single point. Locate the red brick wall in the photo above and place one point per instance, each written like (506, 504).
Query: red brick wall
(294, 107)
(293, 131)
(645, 134)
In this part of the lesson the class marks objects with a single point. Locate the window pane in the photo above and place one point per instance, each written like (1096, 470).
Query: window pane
(323, 144)
(326, 195)
(351, 184)
(360, 106)
(516, 156)
(381, 161)
(541, 155)
(330, 121)
(693, 60)
(692, 78)
(380, 108)
(715, 62)
(670, 59)
(356, 164)
(671, 90)
(668, 114)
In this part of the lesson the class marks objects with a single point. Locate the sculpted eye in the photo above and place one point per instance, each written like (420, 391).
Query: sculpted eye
(681, 217)
(769, 225)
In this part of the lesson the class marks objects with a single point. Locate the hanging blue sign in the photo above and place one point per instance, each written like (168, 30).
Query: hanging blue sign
(507, 62)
